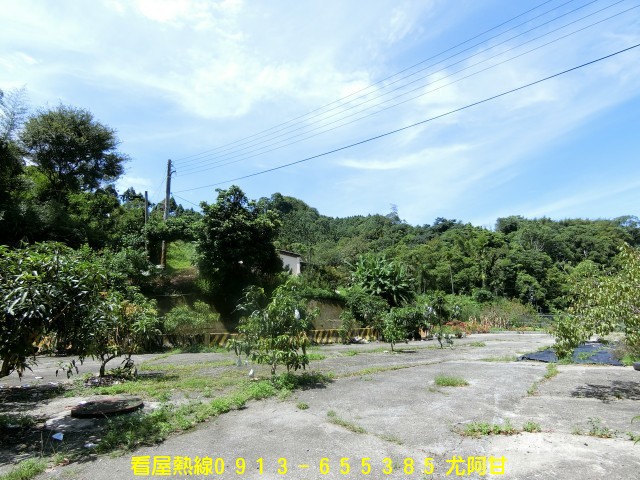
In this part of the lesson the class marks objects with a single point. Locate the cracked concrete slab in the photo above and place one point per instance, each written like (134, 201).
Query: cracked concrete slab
(387, 406)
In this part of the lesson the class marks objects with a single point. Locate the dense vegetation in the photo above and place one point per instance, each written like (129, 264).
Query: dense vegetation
(530, 260)
(70, 236)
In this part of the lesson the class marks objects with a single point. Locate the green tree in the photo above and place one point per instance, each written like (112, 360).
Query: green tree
(73, 150)
(13, 109)
(601, 303)
(71, 297)
(275, 334)
(235, 247)
(385, 278)
(401, 324)
(183, 321)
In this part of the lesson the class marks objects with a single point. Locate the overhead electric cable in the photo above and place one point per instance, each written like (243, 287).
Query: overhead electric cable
(393, 75)
(196, 166)
(185, 200)
(306, 135)
(158, 187)
(370, 139)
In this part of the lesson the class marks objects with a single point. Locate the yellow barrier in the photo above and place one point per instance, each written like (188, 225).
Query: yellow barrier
(322, 337)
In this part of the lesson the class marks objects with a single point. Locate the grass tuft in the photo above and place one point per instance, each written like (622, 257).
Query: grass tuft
(448, 381)
(504, 358)
(26, 470)
(478, 429)
(333, 418)
(531, 427)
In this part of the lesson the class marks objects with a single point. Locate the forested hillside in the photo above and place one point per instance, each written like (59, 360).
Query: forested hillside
(77, 250)
(529, 260)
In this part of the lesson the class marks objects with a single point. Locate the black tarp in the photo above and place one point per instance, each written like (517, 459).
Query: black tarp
(589, 352)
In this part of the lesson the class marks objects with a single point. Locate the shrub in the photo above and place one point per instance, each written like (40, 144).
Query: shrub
(182, 321)
(401, 323)
(277, 333)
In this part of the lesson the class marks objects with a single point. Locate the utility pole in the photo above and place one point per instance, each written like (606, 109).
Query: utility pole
(146, 219)
(163, 255)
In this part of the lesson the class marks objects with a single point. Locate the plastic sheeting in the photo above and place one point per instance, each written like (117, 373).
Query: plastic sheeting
(590, 352)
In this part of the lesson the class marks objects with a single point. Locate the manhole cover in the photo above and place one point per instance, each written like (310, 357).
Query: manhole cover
(106, 407)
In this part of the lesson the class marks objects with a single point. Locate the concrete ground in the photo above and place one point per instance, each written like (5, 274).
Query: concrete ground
(385, 405)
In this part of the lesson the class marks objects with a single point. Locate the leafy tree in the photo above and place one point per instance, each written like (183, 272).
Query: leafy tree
(276, 333)
(73, 150)
(13, 109)
(401, 323)
(182, 321)
(122, 323)
(601, 303)
(43, 289)
(72, 297)
(384, 278)
(235, 247)
(365, 308)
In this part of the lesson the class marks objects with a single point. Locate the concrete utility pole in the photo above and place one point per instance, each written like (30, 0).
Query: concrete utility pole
(163, 255)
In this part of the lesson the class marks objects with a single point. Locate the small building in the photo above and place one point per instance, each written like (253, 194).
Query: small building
(291, 261)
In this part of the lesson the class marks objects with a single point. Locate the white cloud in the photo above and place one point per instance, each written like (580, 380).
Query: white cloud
(139, 184)
(585, 199)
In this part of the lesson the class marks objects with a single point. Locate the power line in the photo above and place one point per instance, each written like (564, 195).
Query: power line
(194, 168)
(158, 187)
(185, 200)
(391, 76)
(419, 123)
(308, 134)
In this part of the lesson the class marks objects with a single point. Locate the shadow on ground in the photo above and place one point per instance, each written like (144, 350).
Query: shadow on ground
(616, 390)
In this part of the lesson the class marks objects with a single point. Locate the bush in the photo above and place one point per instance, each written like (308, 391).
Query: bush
(277, 333)
(73, 297)
(183, 322)
(366, 309)
(401, 323)
(384, 278)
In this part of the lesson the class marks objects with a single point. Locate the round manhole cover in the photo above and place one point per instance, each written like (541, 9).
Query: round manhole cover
(106, 407)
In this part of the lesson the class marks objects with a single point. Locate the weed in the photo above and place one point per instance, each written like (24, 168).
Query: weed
(289, 381)
(597, 429)
(629, 359)
(505, 358)
(391, 439)
(478, 429)
(333, 418)
(16, 421)
(315, 356)
(531, 427)
(302, 406)
(552, 371)
(446, 381)
(477, 344)
(373, 370)
(201, 348)
(634, 437)
(26, 470)
(350, 353)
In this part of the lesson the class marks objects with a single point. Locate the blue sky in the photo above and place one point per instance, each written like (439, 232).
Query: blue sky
(182, 79)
